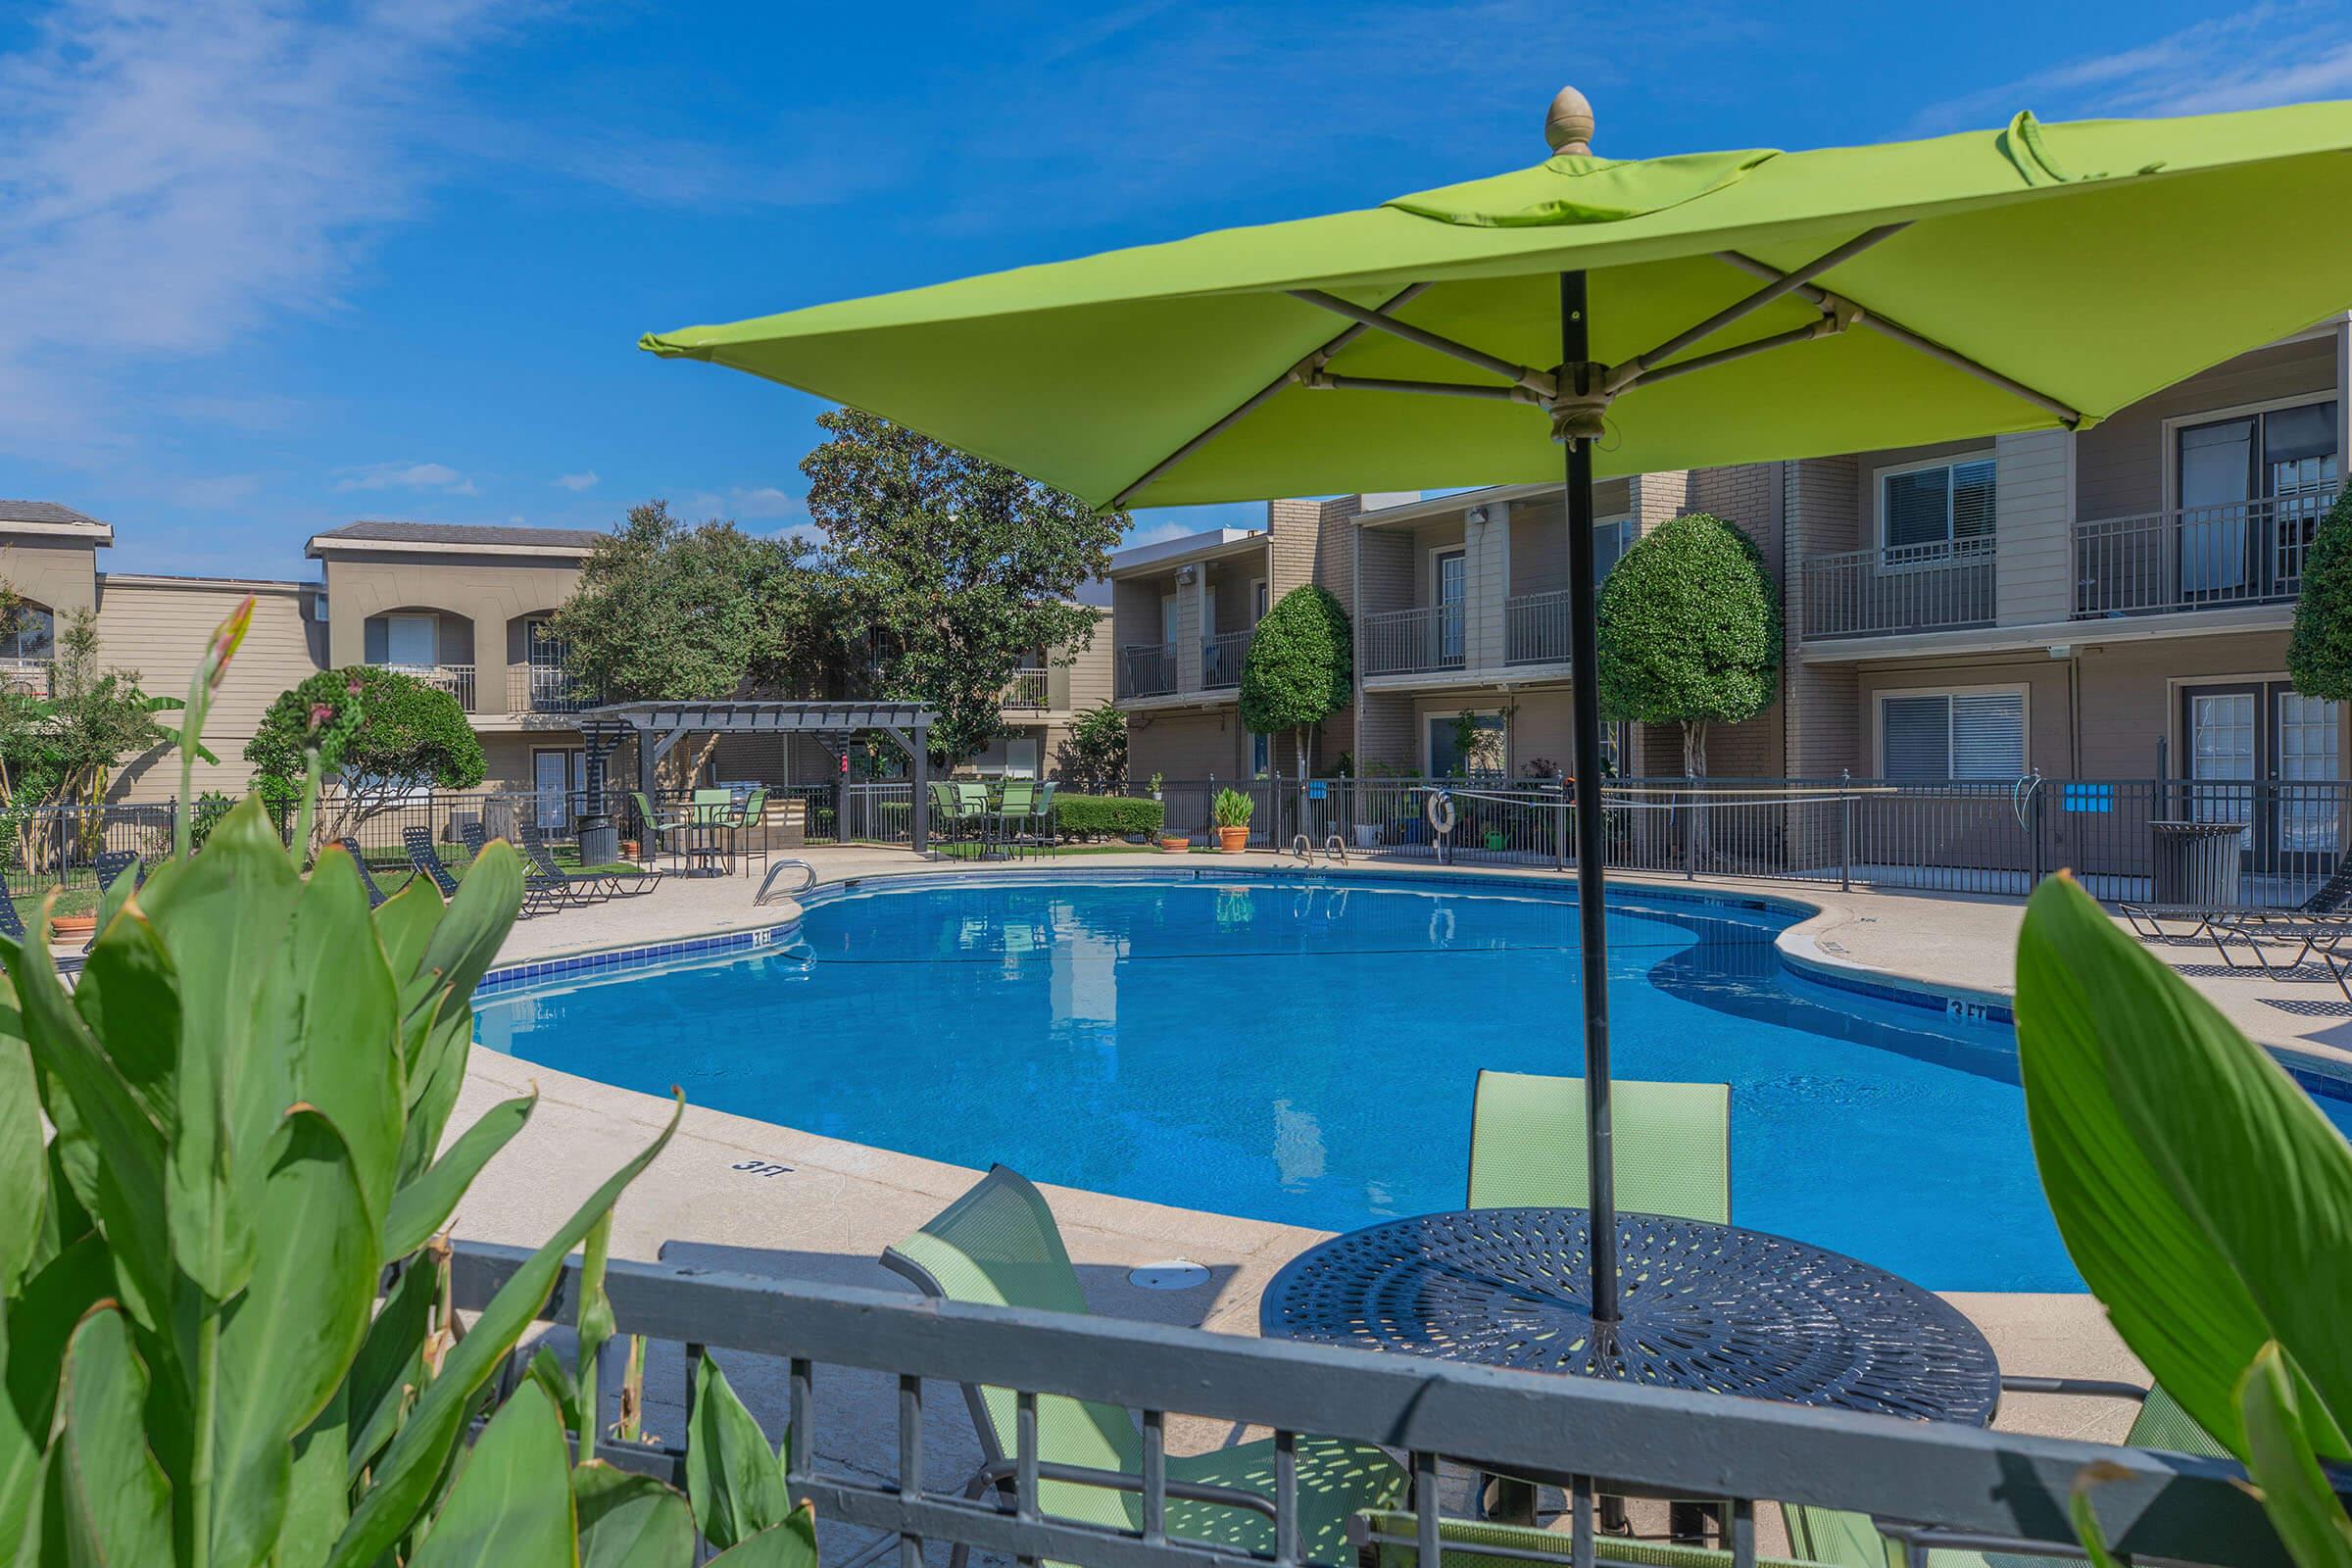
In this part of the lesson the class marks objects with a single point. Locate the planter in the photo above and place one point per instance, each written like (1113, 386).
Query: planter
(1367, 835)
(1494, 841)
(76, 926)
(628, 849)
(1172, 844)
(1233, 840)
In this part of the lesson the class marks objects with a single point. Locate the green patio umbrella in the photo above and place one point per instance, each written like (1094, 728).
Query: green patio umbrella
(1681, 311)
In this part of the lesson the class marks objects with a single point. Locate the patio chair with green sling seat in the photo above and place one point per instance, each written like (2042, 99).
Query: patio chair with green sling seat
(998, 1246)
(653, 828)
(1673, 1141)
(1012, 813)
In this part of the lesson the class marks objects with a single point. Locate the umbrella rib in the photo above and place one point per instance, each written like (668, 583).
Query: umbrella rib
(1323, 379)
(1640, 366)
(1540, 382)
(1312, 362)
(1886, 326)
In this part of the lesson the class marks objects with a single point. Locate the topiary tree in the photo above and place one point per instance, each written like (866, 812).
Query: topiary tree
(381, 736)
(1300, 668)
(2318, 652)
(1690, 631)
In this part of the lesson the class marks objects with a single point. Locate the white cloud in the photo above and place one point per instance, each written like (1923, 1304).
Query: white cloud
(2258, 58)
(406, 476)
(577, 483)
(172, 176)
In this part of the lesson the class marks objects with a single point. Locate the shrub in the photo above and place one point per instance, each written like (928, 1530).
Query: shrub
(1114, 815)
(384, 735)
(2319, 653)
(1301, 666)
(1094, 755)
(1690, 631)
(1231, 808)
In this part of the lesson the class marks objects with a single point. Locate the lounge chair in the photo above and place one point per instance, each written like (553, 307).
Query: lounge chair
(543, 887)
(12, 923)
(359, 858)
(1041, 817)
(1672, 1142)
(2319, 921)
(111, 864)
(998, 1246)
(425, 857)
(542, 861)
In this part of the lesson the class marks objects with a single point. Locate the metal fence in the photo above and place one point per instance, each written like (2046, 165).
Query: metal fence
(871, 1374)
(1147, 669)
(1221, 659)
(1534, 627)
(1028, 688)
(2250, 552)
(1955, 836)
(1860, 593)
(1407, 642)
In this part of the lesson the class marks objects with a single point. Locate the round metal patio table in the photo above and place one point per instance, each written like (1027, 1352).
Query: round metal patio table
(1707, 1308)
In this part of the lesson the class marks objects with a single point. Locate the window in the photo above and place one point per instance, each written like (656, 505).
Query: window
(1610, 541)
(1937, 510)
(33, 639)
(1257, 600)
(1262, 756)
(1952, 735)
(1483, 755)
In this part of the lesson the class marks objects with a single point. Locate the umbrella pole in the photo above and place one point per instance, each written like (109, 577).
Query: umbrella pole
(1592, 905)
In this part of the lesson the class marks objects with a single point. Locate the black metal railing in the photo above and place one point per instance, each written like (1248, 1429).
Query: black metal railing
(1147, 669)
(859, 1370)
(1412, 642)
(1905, 588)
(2196, 558)
(1534, 627)
(1221, 659)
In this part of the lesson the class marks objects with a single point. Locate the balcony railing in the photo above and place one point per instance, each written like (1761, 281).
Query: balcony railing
(1880, 593)
(546, 689)
(1413, 642)
(1534, 627)
(1026, 689)
(2195, 558)
(455, 679)
(1221, 659)
(27, 678)
(1147, 669)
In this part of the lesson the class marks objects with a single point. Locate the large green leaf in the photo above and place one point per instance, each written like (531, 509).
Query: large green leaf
(112, 1501)
(511, 1501)
(404, 924)
(2205, 1198)
(2302, 1507)
(423, 1205)
(41, 1317)
(436, 1071)
(790, 1544)
(23, 1154)
(317, 1494)
(389, 1369)
(130, 997)
(223, 915)
(732, 1476)
(551, 1374)
(288, 1339)
(593, 1325)
(19, 1455)
(629, 1521)
(404, 1478)
(129, 1173)
(330, 1000)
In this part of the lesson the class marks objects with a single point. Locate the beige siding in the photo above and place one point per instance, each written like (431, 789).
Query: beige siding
(59, 575)
(2046, 682)
(2121, 463)
(2033, 560)
(1538, 547)
(1185, 746)
(2129, 695)
(1386, 573)
(160, 627)
(1821, 719)
(480, 600)
(1087, 677)
(1384, 731)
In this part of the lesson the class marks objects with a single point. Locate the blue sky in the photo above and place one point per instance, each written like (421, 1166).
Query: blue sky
(265, 269)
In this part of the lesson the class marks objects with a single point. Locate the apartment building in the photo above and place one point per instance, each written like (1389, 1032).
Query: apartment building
(461, 607)
(2113, 602)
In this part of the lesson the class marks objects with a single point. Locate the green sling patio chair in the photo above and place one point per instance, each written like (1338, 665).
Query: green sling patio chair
(1673, 1140)
(998, 1246)
(1013, 803)
(655, 827)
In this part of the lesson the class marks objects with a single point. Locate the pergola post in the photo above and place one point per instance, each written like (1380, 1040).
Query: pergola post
(923, 790)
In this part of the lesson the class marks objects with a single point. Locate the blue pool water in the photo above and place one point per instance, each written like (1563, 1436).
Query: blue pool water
(1305, 1052)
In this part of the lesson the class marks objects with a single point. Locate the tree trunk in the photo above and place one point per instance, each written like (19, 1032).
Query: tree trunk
(1695, 765)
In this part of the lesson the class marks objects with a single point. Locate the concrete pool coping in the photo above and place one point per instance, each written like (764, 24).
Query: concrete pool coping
(766, 1197)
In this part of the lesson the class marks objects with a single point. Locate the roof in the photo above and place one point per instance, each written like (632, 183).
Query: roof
(1192, 547)
(49, 517)
(487, 538)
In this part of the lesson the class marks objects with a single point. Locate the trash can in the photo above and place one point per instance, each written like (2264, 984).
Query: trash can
(600, 841)
(2196, 864)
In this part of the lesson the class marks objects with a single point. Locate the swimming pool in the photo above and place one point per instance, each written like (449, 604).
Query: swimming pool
(1305, 1051)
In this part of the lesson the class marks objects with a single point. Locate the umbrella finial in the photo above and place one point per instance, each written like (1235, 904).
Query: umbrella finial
(1568, 128)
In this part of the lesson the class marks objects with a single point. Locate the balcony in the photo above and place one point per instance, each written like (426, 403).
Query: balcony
(1534, 627)
(1412, 642)
(1147, 669)
(2196, 558)
(1026, 690)
(1221, 659)
(1906, 588)
(26, 677)
(543, 689)
(455, 679)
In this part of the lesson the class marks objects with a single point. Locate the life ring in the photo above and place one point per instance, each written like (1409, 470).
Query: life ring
(1441, 812)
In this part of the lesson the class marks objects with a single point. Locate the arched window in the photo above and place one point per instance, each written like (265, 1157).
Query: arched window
(32, 639)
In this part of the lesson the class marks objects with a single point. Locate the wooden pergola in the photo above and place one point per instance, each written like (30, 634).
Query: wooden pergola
(659, 726)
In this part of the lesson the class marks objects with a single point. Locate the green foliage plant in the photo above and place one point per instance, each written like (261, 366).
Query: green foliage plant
(1690, 631)
(1093, 755)
(1231, 808)
(380, 735)
(2206, 1201)
(213, 1150)
(2318, 651)
(1301, 667)
(1107, 816)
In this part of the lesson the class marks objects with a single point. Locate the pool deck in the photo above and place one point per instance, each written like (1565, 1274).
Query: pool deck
(717, 1197)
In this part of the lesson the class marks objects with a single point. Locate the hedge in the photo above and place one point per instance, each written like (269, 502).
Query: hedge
(1108, 813)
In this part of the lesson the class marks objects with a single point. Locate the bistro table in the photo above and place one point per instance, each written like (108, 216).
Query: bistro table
(1711, 1308)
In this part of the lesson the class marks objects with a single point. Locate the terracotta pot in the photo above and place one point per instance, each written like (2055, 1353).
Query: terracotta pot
(1233, 840)
(75, 925)
(1175, 845)
(628, 849)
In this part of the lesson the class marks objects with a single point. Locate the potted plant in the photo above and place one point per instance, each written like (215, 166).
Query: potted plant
(1156, 780)
(1230, 812)
(1174, 844)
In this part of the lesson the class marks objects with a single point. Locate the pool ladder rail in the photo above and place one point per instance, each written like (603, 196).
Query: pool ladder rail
(1335, 848)
(769, 881)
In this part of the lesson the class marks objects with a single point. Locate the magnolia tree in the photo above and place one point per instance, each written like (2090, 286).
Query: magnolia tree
(1300, 668)
(2318, 654)
(1689, 632)
(380, 737)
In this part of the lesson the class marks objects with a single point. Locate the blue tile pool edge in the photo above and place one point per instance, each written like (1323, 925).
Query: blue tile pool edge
(2315, 1074)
